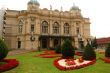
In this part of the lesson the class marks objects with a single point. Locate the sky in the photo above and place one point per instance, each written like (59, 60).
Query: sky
(98, 11)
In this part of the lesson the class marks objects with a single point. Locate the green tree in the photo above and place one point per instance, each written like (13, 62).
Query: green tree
(94, 43)
(3, 49)
(107, 51)
(67, 49)
(58, 49)
(89, 53)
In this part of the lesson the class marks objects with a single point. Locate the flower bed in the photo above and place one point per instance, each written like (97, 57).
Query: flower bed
(106, 60)
(101, 52)
(62, 64)
(10, 63)
(48, 54)
(78, 54)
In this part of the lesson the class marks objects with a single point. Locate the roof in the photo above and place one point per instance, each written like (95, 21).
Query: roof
(34, 2)
(74, 7)
(103, 40)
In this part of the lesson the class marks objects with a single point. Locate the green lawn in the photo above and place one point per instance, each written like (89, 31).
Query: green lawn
(30, 64)
(2, 63)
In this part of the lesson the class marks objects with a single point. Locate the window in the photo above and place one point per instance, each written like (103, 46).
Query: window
(77, 24)
(44, 27)
(66, 28)
(20, 28)
(55, 28)
(32, 19)
(32, 27)
(78, 27)
(77, 30)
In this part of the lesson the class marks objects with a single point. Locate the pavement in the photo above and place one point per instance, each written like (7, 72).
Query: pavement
(15, 52)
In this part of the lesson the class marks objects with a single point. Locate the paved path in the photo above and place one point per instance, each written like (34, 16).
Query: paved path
(15, 52)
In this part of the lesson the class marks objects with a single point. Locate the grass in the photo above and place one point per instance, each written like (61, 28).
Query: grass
(30, 64)
(2, 63)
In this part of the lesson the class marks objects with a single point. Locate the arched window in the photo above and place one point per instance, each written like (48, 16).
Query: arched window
(55, 28)
(44, 27)
(66, 28)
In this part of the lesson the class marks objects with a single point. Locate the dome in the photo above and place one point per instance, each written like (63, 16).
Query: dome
(74, 7)
(34, 2)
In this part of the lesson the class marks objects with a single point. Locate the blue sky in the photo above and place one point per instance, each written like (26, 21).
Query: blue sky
(97, 10)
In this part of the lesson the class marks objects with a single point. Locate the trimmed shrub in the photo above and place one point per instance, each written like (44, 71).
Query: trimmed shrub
(94, 43)
(67, 49)
(58, 49)
(89, 53)
(107, 51)
(75, 48)
(3, 49)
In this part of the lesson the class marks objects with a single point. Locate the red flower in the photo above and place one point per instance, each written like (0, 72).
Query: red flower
(101, 52)
(78, 54)
(71, 67)
(106, 60)
(80, 60)
(11, 63)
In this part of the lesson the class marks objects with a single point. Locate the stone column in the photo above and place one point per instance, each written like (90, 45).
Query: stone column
(28, 26)
(51, 43)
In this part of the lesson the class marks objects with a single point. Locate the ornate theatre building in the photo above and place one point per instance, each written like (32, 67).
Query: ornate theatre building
(42, 28)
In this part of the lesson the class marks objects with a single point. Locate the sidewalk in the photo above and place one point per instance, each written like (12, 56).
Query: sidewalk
(15, 52)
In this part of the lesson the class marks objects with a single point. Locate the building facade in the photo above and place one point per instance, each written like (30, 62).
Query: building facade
(103, 42)
(42, 28)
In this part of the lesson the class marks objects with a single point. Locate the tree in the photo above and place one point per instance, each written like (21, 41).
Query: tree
(58, 49)
(89, 53)
(67, 49)
(3, 49)
(94, 43)
(107, 51)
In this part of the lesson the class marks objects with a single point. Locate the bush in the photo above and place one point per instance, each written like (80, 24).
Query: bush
(3, 49)
(107, 51)
(94, 43)
(75, 48)
(67, 49)
(89, 53)
(58, 49)
(51, 48)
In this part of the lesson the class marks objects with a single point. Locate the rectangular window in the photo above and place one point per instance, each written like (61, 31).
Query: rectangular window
(77, 30)
(32, 28)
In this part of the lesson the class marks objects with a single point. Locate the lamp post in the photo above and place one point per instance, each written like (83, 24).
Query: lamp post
(3, 26)
(32, 38)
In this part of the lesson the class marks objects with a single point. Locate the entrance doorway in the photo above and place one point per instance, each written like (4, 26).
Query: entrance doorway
(44, 43)
(19, 44)
(56, 42)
